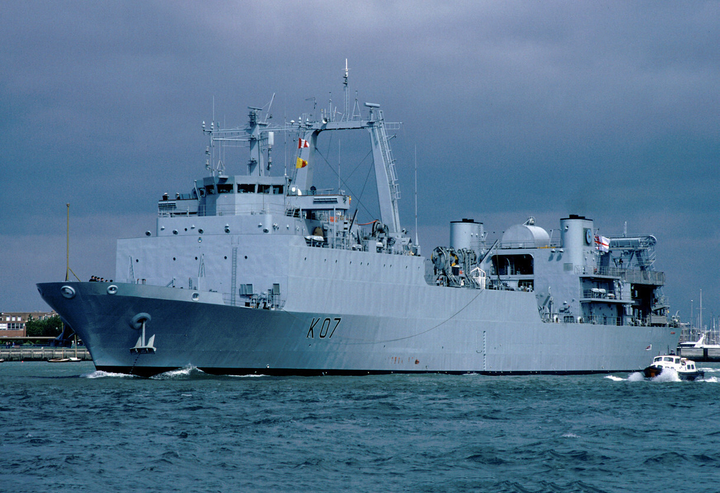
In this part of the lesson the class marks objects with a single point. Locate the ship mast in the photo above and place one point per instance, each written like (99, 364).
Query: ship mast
(258, 135)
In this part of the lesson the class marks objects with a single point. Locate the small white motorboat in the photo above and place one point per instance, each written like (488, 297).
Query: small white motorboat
(685, 368)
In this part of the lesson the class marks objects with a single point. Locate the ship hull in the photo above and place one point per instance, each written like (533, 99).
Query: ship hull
(484, 332)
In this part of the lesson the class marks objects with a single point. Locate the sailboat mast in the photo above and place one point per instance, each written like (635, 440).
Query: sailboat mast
(67, 245)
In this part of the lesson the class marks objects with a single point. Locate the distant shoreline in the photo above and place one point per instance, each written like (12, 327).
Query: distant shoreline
(42, 353)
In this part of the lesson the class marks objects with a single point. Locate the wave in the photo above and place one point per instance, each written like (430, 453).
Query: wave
(615, 378)
(106, 374)
(570, 435)
(185, 372)
(636, 376)
(667, 375)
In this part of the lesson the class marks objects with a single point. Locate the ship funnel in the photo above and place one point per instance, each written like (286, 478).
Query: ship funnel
(466, 234)
(577, 238)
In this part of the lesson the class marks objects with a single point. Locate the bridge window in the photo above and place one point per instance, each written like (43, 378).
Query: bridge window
(225, 188)
(246, 188)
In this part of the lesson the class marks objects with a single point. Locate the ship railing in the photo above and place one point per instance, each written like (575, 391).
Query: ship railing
(598, 294)
(273, 302)
(601, 320)
(184, 204)
(292, 191)
(585, 270)
(644, 277)
(167, 212)
(652, 320)
(661, 301)
(592, 319)
(629, 275)
(529, 244)
(238, 209)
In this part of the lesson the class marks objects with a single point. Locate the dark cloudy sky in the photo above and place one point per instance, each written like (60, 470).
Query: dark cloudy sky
(607, 109)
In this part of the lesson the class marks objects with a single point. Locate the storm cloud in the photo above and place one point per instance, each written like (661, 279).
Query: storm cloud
(515, 109)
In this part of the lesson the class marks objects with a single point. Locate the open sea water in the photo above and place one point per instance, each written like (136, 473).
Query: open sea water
(67, 427)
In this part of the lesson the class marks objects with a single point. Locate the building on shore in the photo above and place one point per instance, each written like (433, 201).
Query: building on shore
(12, 324)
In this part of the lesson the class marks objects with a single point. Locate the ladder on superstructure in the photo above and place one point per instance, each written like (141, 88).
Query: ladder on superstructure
(385, 173)
(388, 156)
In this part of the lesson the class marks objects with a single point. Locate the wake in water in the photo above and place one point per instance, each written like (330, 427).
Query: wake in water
(106, 374)
(633, 377)
(191, 372)
(180, 374)
(710, 378)
(185, 373)
(668, 375)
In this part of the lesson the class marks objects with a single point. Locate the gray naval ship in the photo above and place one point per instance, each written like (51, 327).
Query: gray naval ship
(257, 273)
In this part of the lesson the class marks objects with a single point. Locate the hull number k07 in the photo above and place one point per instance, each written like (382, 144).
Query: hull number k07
(325, 327)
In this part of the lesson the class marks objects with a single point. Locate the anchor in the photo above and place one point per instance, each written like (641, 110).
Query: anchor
(141, 347)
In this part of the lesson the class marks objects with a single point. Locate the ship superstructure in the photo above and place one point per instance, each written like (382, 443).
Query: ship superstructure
(265, 273)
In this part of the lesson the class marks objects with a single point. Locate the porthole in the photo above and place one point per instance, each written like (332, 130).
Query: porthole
(112, 289)
(200, 231)
(195, 296)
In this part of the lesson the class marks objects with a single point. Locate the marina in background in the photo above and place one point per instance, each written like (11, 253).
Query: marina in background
(43, 353)
(698, 340)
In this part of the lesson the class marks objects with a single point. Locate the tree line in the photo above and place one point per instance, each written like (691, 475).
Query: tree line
(50, 327)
